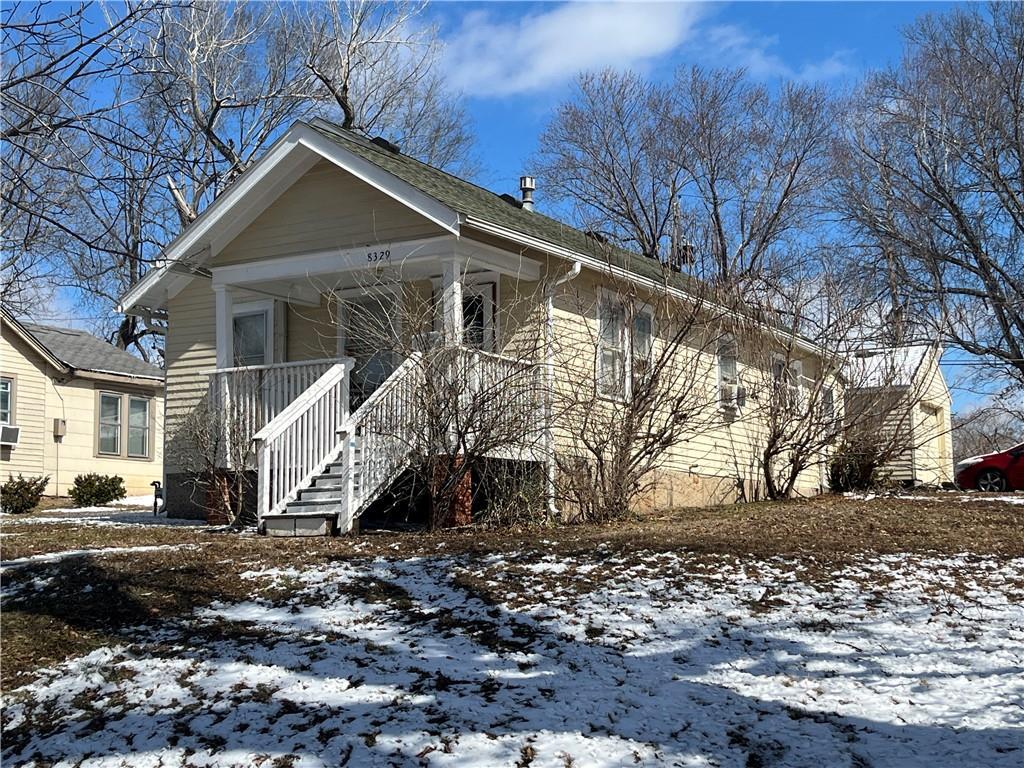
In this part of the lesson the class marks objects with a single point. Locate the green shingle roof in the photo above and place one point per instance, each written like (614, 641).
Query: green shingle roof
(471, 200)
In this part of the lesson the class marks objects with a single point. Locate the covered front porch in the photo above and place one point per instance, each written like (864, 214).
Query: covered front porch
(320, 358)
(281, 323)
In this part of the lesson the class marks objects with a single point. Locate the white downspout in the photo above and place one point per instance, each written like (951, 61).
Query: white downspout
(549, 382)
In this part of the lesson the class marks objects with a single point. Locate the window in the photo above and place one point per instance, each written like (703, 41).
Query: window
(611, 349)
(728, 356)
(250, 338)
(138, 427)
(124, 425)
(828, 403)
(728, 369)
(6, 401)
(110, 424)
(642, 343)
(787, 380)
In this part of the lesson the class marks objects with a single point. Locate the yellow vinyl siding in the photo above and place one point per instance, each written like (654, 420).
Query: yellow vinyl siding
(29, 371)
(720, 448)
(933, 460)
(327, 208)
(43, 395)
(190, 352)
(75, 454)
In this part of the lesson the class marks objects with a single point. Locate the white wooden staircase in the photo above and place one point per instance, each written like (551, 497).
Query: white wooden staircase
(319, 467)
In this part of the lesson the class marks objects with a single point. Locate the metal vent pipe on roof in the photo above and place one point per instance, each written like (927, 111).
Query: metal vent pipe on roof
(527, 184)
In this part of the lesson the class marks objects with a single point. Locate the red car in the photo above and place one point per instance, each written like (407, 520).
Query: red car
(993, 472)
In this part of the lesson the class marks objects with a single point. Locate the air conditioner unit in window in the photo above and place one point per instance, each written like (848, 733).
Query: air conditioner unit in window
(733, 396)
(9, 435)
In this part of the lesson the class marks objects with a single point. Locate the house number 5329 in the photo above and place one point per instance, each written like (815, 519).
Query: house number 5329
(372, 257)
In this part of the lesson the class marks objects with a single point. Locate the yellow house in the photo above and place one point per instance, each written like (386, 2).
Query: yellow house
(917, 417)
(265, 293)
(73, 404)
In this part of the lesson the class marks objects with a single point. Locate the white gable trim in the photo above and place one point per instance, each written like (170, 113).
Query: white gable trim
(284, 163)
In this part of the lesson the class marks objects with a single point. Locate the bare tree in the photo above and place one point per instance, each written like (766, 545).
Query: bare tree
(606, 154)
(191, 94)
(631, 391)
(756, 163)
(375, 65)
(60, 67)
(724, 171)
(930, 180)
(986, 429)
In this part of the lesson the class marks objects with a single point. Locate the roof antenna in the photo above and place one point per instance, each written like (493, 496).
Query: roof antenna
(526, 185)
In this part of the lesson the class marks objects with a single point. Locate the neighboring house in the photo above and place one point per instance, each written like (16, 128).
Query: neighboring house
(907, 384)
(263, 285)
(72, 404)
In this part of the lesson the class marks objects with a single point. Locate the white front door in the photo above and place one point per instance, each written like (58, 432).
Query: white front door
(369, 334)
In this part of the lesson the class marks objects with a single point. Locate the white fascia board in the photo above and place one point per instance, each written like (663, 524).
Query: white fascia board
(334, 260)
(623, 274)
(474, 254)
(380, 179)
(191, 238)
(288, 158)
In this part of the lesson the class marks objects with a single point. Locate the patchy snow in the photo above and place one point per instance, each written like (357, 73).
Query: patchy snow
(944, 497)
(595, 660)
(101, 517)
(56, 557)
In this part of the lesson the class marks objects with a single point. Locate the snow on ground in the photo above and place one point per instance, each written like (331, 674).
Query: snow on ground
(658, 660)
(100, 517)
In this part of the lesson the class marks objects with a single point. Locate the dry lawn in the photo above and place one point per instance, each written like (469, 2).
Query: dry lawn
(55, 610)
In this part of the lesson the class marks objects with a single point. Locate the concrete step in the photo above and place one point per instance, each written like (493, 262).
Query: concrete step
(298, 524)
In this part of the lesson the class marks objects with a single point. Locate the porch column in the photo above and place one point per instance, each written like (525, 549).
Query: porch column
(451, 302)
(225, 327)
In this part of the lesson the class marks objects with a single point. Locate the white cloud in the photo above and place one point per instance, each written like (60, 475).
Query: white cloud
(728, 42)
(488, 56)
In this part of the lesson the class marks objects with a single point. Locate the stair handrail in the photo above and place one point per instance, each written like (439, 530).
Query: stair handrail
(381, 392)
(371, 452)
(302, 439)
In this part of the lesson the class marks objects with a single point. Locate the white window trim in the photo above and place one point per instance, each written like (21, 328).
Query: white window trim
(630, 310)
(252, 308)
(473, 283)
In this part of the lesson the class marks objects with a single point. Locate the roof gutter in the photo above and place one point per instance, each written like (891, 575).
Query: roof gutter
(625, 274)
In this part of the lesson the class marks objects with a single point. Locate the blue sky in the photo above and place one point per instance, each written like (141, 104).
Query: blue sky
(514, 61)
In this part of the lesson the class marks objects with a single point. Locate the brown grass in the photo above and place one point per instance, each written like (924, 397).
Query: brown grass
(87, 602)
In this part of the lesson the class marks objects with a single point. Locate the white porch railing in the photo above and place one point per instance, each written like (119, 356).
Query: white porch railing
(250, 397)
(499, 394)
(301, 440)
(385, 426)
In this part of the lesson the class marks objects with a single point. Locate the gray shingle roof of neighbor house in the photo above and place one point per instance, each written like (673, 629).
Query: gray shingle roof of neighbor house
(469, 199)
(84, 352)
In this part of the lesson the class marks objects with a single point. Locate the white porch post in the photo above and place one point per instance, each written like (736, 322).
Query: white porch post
(451, 302)
(225, 327)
